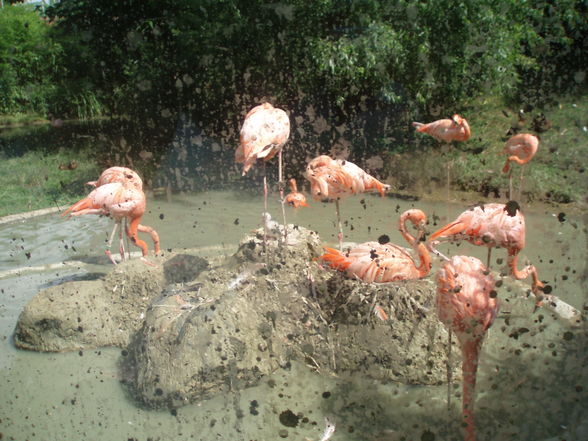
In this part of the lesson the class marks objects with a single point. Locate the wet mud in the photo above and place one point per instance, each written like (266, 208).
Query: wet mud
(194, 328)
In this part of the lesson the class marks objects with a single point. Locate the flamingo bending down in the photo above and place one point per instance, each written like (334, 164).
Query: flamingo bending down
(446, 130)
(467, 306)
(295, 198)
(263, 135)
(331, 179)
(493, 225)
(128, 178)
(120, 202)
(520, 149)
(380, 263)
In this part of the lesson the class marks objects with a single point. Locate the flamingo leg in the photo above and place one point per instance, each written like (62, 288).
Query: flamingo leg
(448, 166)
(121, 243)
(488, 258)
(340, 235)
(153, 234)
(449, 372)
(132, 232)
(107, 252)
(265, 207)
(521, 181)
(510, 184)
(281, 184)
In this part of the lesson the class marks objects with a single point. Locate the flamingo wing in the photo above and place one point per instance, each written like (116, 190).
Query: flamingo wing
(373, 262)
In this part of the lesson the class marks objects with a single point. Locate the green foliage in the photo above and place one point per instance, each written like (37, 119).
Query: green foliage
(34, 180)
(29, 60)
(152, 60)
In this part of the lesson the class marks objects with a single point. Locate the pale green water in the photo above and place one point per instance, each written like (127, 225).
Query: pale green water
(530, 387)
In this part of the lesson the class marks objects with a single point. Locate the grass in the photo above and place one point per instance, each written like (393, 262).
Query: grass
(34, 181)
(30, 176)
(557, 173)
(21, 119)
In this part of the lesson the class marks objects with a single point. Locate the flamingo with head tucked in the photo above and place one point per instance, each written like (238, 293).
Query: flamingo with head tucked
(520, 149)
(332, 179)
(264, 132)
(448, 130)
(467, 305)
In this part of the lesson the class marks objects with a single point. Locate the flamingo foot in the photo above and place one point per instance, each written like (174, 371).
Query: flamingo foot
(147, 262)
(110, 256)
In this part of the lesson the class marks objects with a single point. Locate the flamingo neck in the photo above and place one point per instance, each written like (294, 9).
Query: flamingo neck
(525, 272)
(425, 258)
(466, 128)
(519, 160)
(404, 231)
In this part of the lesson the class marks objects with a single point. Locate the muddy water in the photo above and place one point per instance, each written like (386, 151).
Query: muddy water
(532, 381)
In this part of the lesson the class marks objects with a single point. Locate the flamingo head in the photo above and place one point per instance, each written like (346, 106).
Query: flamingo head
(417, 217)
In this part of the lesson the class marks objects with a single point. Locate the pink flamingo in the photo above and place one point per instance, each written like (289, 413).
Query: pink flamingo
(380, 263)
(493, 225)
(467, 306)
(295, 198)
(446, 130)
(119, 201)
(265, 131)
(332, 179)
(520, 149)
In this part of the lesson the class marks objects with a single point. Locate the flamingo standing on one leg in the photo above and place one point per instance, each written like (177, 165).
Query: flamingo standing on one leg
(467, 305)
(331, 179)
(295, 198)
(493, 225)
(119, 201)
(380, 263)
(263, 135)
(520, 149)
(447, 131)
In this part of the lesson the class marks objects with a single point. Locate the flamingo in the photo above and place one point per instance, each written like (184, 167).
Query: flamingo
(263, 135)
(467, 305)
(493, 225)
(119, 201)
(122, 175)
(446, 130)
(380, 263)
(331, 179)
(295, 198)
(520, 149)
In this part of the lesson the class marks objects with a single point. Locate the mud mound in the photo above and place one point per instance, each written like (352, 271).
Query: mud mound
(195, 328)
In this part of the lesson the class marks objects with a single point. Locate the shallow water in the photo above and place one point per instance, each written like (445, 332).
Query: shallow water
(531, 384)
